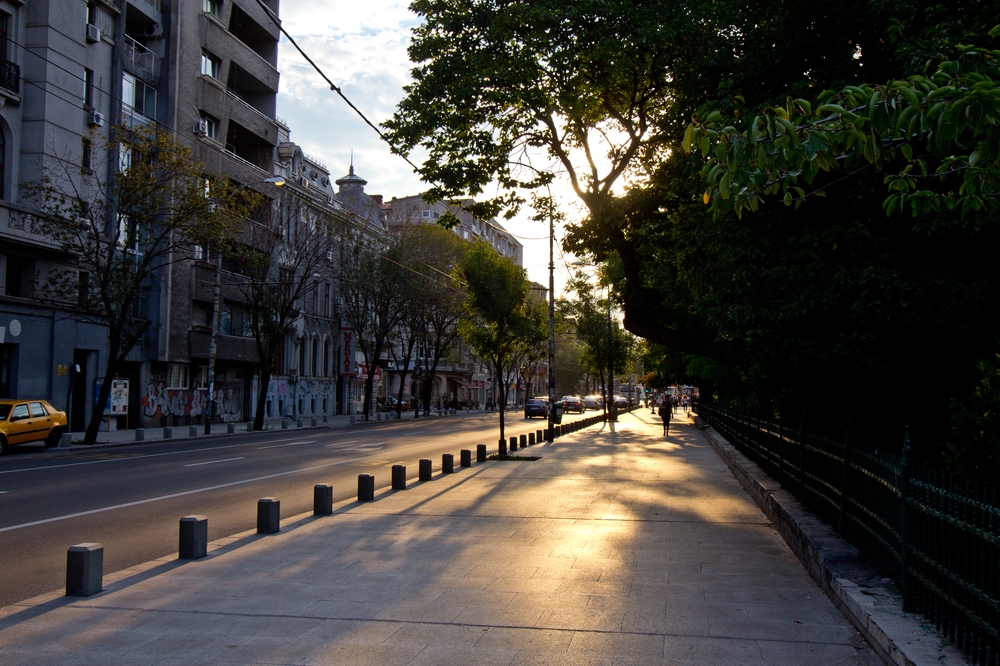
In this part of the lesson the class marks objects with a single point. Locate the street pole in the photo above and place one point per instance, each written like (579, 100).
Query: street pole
(552, 327)
(612, 410)
(213, 344)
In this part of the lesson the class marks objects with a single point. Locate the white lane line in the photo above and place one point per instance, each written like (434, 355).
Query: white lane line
(281, 446)
(212, 462)
(138, 457)
(350, 441)
(197, 490)
(3, 492)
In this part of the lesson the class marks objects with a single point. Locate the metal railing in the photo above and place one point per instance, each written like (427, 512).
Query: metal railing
(939, 540)
(251, 107)
(144, 63)
(10, 76)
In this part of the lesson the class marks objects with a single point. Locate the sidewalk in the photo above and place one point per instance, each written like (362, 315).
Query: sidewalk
(120, 437)
(625, 548)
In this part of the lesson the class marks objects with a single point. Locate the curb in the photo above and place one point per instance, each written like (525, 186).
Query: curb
(867, 600)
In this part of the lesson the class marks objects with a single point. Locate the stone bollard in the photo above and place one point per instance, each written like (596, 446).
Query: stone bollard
(192, 431)
(231, 428)
(140, 434)
(399, 477)
(465, 455)
(513, 444)
(84, 569)
(523, 441)
(548, 434)
(322, 499)
(326, 418)
(268, 515)
(531, 439)
(425, 469)
(538, 436)
(352, 418)
(447, 463)
(208, 428)
(298, 423)
(284, 424)
(249, 426)
(168, 432)
(480, 453)
(193, 538)
(366, 487)
(502, 447)
(313, 422)
(67, 440)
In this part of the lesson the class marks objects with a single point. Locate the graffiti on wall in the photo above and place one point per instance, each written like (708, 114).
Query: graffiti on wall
(158, 401)
(308, 392)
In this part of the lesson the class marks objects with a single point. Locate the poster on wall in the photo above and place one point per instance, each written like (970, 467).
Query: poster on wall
(118, 400)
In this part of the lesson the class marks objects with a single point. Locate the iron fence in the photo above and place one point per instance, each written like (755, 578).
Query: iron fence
(939, 540)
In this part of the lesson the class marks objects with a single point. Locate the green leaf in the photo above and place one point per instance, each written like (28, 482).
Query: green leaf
(688, 134)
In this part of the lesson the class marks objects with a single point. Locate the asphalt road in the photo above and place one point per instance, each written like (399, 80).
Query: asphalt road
(130, 498)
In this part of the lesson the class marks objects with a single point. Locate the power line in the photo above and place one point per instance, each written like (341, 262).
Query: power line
(334, 87)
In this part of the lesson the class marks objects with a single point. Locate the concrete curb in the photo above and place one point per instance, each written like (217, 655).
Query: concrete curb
(868, 601)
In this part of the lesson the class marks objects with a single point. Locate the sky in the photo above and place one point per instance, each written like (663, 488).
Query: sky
(361, 47)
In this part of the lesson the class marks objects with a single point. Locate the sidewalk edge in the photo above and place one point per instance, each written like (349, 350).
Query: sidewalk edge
(899, 638)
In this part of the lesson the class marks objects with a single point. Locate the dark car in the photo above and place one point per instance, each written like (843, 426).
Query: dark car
(593, 402)
(571, 403)
(536, 407)
(621, 401)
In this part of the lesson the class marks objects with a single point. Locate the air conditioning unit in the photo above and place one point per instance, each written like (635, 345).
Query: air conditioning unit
(95, 119)
(154, 30)
(201, 127)
(93, 33)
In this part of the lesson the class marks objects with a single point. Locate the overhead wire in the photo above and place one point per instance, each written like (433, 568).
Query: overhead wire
(333, 86)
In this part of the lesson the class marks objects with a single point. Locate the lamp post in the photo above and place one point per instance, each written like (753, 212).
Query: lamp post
(551, 376)
(612, 408)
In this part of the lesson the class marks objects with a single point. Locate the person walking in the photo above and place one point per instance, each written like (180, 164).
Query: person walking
(665, 409)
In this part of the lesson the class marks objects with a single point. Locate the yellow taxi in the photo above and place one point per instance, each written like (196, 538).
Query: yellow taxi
(30, 421)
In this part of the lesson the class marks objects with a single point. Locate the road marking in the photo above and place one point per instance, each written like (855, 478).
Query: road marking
(185, 493)
(281, 446)
(212, 462)
(3, 492)
(121, 457)
(350, 441)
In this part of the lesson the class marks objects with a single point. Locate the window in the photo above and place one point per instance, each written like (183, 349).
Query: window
(327, 358)
(83, 289)
(437, 215)
(326, 300)
(426, 214)
(20, 412)
(88, 88)
(177, 376)
(314, 356)
(20, 276)
(86, 154)
(201, 380)
(6, 361)
(211, 127)
(4, 35)
(210, 65)
(139, 96)
(3, 165)
(213, 7)
(37, 410)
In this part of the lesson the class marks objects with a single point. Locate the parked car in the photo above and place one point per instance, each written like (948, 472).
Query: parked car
(572, 403)
(536, 407)
(621, 401)
(593, 402)
(24, 421)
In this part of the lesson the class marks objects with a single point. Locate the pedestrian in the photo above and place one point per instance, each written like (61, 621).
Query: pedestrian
(665, 409)
(685, 403)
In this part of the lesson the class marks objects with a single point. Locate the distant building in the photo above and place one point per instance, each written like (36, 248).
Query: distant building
(414, 210)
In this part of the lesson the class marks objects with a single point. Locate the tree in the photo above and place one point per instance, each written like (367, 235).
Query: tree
(157, 209)
(501, 319)
(274, 263)
(370, 274)
(431, 301)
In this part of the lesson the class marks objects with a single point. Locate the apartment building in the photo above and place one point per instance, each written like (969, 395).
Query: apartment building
(203, 70)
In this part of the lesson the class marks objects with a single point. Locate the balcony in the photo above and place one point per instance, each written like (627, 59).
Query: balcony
(140, 61)
(10, 76)
(132, 118)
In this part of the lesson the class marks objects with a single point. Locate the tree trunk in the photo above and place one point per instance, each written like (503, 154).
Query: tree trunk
(102, 399)
(265, 380)
(502, 399)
